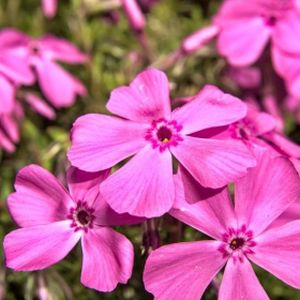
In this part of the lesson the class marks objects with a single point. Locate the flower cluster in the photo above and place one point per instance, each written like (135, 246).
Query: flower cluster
(211, 161)
(181, 163)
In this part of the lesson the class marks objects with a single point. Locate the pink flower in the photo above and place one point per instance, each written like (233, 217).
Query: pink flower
(148, 129)
(49, 8)
(245, 28)
(42, 54)
(184, 270)
(53, 220)
(134, 14)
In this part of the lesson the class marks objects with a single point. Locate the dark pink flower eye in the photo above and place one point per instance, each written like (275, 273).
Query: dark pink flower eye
(164, 134)
(82, 216)
(237, 243)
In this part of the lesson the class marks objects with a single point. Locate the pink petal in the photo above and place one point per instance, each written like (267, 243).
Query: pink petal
(40, 193)
(63, 50)
(84, 186)
(146, 99)
(212, 216)
(145, 185)
(81, 182)
(16, 68)
(134, 14)
(10, 126)
(214, 163)
(49, 8)
(266, 192)
(5, 143)
(10, 38)
(284, 144)
(100, 141)
(240, 282)
(278, 251)
(243, 41)
(262, 122)
(7, 96)
(182, 271)
(40, 106)
(210, 108)
(199, 38)
(38, 247)
(107, 259)
(52, 78)
(287, 31)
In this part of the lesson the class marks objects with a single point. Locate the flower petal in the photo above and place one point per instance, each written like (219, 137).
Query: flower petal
(38, 247)
(100, 141)
(107, 259)
(39, 198)
(278, 251)
(211, 216)
(214, 163)
(144, 186)
(81, 182)
(7, 96)
(243, 41)
(182, 271)
(287, 31)
(146, 99)
(85, 186)
(240, 282)
(266, 192)
(51, 78)
(210, 108)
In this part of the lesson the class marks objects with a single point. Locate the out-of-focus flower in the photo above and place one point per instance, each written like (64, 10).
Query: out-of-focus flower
(59, 219)
(246, 28)
(184, 270)
(58, 85)
(149, 130)
(134, 14)
(49, 8)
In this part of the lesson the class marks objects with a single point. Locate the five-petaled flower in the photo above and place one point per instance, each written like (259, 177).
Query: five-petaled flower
(54, 220)
(148, 129)
(184, 270)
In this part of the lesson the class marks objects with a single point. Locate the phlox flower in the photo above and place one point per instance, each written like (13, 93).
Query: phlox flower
(241, 234)
(53, 220)
(245, 28)
(147, 129)
(42, 54)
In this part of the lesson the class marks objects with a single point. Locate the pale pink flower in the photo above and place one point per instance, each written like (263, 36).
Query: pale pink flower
(53, 220)
(147, 129)
(184, 270)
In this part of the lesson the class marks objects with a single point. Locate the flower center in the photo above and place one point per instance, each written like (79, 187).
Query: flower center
(271, 20)
(243, 130)
(163, 134)
(237, 243)
(81, 216)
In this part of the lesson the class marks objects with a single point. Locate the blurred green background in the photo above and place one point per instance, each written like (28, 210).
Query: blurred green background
(116, 57)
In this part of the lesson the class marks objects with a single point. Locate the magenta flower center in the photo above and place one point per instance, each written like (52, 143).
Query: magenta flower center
(81, 216)
(237, 243)
(163, 134)
(243, 130)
